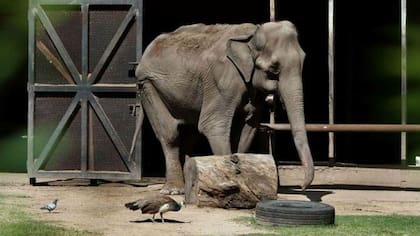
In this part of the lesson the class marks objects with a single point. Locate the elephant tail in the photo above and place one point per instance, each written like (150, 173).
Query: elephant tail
(139, 123)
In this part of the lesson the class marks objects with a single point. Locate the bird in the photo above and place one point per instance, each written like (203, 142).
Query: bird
(50, 206)
(154, 205)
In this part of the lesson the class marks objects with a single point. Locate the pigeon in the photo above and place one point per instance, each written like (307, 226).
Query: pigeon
(155, 204)
(51, 206)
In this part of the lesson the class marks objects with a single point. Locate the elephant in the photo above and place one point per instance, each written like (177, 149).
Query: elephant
(215, 78)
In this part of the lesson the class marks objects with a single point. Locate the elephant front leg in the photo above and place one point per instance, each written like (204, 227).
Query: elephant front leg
(215, 124)
(174, 177)
(219, 138)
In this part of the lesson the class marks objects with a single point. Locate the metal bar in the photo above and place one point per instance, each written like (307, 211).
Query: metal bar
(31, 93)
(349, 127)
(91, 150)
(58, 44)
(115, 88)
(112, 46)
(112, 133)
(117, 175)
(84, 102)
(92, 2)
(139, 33)
(85, 42)
(43, 157)
(270, 98)
(100, 88)
(139, 52)
(84, 134)
(272, 10)
(331, 89)
(403, 79)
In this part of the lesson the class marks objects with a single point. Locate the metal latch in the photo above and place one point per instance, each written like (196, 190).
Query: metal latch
(132, 69)
(133, 109)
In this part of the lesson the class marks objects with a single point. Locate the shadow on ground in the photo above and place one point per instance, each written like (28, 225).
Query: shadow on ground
(158, 220)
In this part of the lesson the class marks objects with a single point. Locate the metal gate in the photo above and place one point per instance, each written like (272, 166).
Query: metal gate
(79, 91)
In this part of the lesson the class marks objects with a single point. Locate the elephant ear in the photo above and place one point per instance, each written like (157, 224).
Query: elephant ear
(240, 54)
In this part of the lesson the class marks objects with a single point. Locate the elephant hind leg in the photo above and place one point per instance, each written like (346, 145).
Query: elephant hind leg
(165, 127)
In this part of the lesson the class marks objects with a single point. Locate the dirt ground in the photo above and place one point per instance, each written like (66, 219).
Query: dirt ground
(101, 208)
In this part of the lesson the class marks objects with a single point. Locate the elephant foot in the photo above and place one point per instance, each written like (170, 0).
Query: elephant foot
(172, 189)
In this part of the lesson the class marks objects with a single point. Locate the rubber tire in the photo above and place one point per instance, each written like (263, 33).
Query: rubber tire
(294, 213)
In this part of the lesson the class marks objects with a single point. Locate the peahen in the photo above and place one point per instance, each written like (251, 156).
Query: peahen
(155, 204)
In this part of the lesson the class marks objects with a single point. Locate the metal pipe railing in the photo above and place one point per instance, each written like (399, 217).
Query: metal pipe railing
(348, 127)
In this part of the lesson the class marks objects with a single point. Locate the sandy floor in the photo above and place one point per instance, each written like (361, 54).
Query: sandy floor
(101, 208)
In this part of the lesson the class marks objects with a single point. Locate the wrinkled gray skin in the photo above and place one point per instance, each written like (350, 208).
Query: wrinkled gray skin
(216, 77)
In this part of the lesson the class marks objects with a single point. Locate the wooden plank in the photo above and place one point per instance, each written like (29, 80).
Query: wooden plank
(55, 61)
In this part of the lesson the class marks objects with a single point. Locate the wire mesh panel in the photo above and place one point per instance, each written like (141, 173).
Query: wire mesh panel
(79, 91)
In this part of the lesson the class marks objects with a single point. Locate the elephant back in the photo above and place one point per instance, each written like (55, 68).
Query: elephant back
(197, 38)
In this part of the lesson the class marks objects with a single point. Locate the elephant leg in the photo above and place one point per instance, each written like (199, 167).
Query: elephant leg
(165, 128)
(174, 184)
(247, 135)
(219, 139)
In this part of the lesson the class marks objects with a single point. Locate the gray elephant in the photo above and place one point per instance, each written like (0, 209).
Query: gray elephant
(216, 78)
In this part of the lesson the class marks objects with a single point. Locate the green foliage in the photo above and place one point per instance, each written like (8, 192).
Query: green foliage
(349, 225)
(34, 228)
(13, 38)
(13, 153)
(14, 221)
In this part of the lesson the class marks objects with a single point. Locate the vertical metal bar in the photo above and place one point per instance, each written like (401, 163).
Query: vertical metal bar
(270, 98)
(331, 101)
(403, 79)
(139, 35)
(85, 42)
(139, 52)
(272, 10)
(84, 135)
(31, 93)
(91, 152)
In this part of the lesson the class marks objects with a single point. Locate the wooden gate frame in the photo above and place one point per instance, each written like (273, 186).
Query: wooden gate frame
(83, 85)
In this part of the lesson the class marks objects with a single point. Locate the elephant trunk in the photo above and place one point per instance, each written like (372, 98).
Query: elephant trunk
(290, 90)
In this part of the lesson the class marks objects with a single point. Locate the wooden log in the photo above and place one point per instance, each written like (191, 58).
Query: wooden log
(230, 181)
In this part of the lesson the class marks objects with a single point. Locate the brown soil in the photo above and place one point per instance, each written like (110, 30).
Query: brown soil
(101, 208)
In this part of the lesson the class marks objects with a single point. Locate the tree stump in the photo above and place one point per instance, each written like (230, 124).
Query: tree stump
(231, 181)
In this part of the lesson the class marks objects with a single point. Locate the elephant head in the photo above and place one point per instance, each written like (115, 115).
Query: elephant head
(271, 60)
